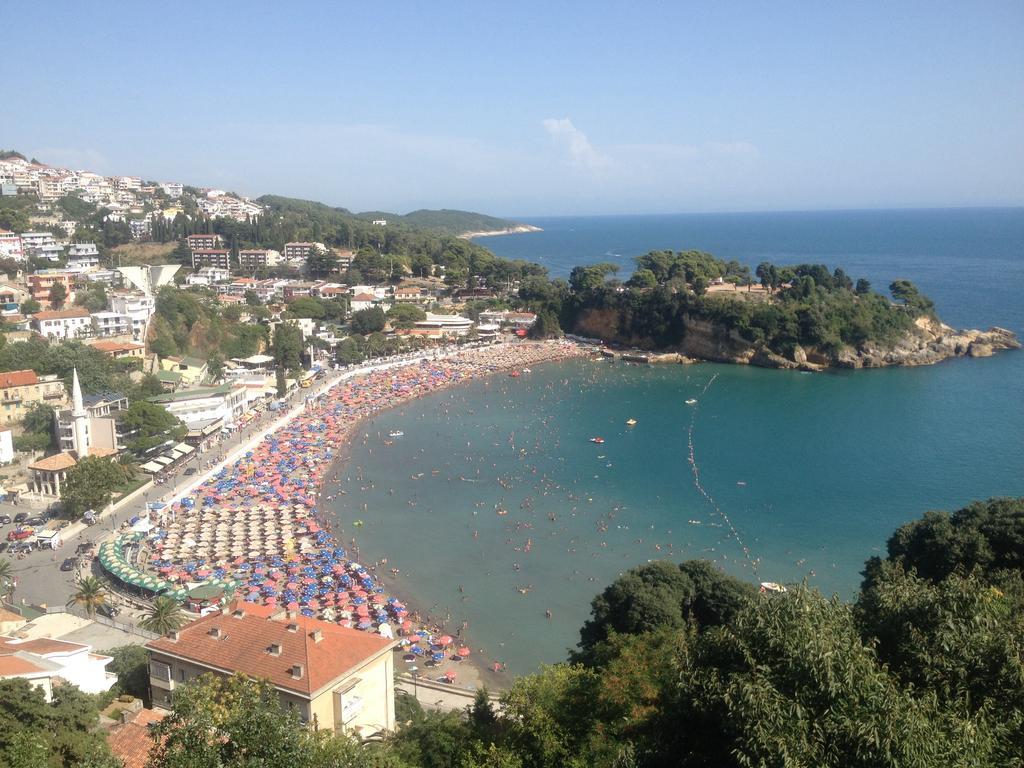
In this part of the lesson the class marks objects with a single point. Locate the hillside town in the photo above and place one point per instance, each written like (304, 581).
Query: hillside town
(136, 356)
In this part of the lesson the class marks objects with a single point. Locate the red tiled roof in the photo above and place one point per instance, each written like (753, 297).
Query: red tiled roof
(15, 665)
(245, 642)
(131, 741)
(40, 645)
(54, 463)
(115, 346)
(364, 297)
(18, 379)
(61, 314)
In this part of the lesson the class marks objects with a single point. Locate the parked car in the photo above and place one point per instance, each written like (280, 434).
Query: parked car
(20, 547)
(84, 547)
(21, 517)
(19, 533)
(3, 547)
(5, 519)
(190, 471)
(110, 611)
(69, 564)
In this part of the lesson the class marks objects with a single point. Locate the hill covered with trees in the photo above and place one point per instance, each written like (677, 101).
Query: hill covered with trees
(803, 315)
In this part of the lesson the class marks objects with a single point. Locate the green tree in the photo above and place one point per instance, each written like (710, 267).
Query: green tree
(93, 298)
(307, 306)
(288, 346)
(58, 295)
(642, 278)
(405, 315)
(131, 665)
(367, 321)
(30, 307)
(252, 299)
(63, 733)
(659, 595)
(584, 279)
(91, 594)
(164, 615)
(31, 442)
(863, 287)
(150, 424)
(7, 579)
(39, 418)
(89, 485)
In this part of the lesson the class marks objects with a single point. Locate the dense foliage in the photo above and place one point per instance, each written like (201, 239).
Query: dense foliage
(192, 322)
(805, 304)
(61, 734)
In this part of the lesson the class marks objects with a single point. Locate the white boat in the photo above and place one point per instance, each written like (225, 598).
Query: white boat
(396, 433)
(692, 401)
(630, 422)
(771, 586)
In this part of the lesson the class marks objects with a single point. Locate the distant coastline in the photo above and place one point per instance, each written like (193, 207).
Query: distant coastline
(516, 230)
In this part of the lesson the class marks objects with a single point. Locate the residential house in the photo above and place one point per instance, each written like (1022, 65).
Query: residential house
(295, 290)
(33, 241)
(192, 369)
(6, 450)
(11, 298)
(212, 257)
(119, 349)
(254, 259)
(71, 323)
(363, 301)
(131, 739)
(205, 405)
(140, 227)
(412, 294)
(333, 677)
(10, 246)
(516, 320)
(203, 242)
(208, 276)
(43, 280)
(45, 661)
(172, 189)
(345, 259)
(82, 257)
(19, 390)
(106, 324)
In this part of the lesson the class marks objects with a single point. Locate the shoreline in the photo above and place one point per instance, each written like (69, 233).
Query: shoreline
(263, 511)
(519, 229)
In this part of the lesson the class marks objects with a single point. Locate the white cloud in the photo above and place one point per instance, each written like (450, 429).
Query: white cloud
(580, 153)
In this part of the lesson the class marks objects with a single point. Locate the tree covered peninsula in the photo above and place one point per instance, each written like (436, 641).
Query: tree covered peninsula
(802, 316)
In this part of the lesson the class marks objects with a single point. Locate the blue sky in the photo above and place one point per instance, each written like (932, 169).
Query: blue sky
(532, 108)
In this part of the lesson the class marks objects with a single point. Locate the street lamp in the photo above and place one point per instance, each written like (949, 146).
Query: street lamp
(415, 691)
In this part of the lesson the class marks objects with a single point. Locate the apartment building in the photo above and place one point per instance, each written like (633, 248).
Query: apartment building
(211, 257)
(42, 281)
(10, 246)
(19, 390)
(253, 259)
(301, 251)
(108, 323)
(204, 242)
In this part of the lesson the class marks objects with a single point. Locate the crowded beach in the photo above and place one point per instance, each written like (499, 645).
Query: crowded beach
(254, 531)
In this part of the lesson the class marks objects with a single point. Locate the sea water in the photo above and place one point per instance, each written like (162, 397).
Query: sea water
(496, 507)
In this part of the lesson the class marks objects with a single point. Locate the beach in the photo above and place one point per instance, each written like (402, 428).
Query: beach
(257, 528)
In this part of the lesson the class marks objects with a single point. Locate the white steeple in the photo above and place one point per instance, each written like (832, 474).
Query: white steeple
(80, 416)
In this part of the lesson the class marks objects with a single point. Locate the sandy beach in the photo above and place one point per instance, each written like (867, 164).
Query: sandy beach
(518, 230)
(256, 528)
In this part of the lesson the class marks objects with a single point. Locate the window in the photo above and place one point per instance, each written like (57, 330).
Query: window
(181, 675)
(160, 671)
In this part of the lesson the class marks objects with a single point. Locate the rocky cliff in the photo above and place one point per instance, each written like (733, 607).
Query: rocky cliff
(929, 342)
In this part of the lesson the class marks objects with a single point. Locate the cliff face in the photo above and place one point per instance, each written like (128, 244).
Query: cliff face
(927, 343)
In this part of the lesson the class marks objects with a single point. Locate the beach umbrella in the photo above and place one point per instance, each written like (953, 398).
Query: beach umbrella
(444, 640)
(463, 652)
(437, 656)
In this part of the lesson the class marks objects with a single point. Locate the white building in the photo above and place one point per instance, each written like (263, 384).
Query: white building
(34, 240)
(106, 324)
(138, 306)
(446, 325)
(71, 323)
(208, 276)
(172, 189)
(82, 257)
(42, 661)
(10, 246)
(204, 405)
(6, 447)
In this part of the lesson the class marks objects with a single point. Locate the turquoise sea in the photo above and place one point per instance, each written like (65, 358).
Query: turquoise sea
(495, 487)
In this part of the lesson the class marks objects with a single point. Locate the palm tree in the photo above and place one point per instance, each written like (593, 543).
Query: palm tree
(129, 466)
(91, 594)
(164, 616)
(6, 579)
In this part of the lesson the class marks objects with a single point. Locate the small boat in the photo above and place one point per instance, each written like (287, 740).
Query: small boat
(741, 483)
(598, 440)
(514, 374)
(630, 422)
(692, 401)
(527, 370)
(396, 433)
(771, 586)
